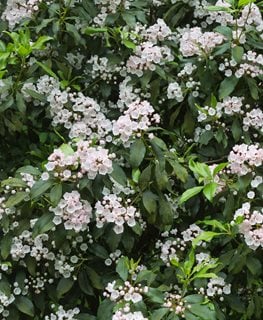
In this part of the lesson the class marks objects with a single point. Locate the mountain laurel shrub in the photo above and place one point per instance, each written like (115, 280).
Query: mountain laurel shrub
(131, 159)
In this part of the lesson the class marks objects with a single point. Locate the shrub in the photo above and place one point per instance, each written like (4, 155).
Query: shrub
(131, 156)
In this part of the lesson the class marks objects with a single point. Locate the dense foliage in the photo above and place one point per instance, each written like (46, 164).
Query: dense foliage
(131, 159)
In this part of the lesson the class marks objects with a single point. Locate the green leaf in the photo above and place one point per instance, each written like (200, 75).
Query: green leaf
(159, 314)
(39, 44)
(91, 30)
(242, 3)
(56, 194)
(21, 106)
(64, 285)
(122, 268)
(16, 199)
(149, 200)
(43, 224)
(137, 153)
(6, 104)
(6, 246)
(155, 295)
(217, 8)
(254, 265)
(236, 130)
(226, 31)
(145, 177)
(95, 279)
(205, 275)
(130, 19)
(227, 86)
(25, 305)
(235, 303)
(105, 310)
(84, 283)
(165, 211)
(14, 182)
(66, 149)
(84, 316)
(180, 171)
(205, 312)
(237, 53)
(161, 176)
(73, 31)
(194, 298)
(118, 174)
(219, 168)
(47, 70)
(43, 23)
(40, 187)
(201, 169)
(189, 263)
(253, 88)
(190, 316)
(146, 275)
(215, 224)
(190, 193)
(28, 169)
(35, 95)
(206, 236)
(136, 175)
(209, 190)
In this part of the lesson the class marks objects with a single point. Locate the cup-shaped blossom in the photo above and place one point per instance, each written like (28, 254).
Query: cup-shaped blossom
(73, 211)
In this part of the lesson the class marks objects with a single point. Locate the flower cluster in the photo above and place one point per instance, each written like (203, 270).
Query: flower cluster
(126, 292)
(174, 247)
(250, 225)
(73, 211)
(137, 118)
(17, 10)
(101, 68)
(108, 7)
(174, 91)
(217, 286)
(80, 114)
(251, 66)
(253, 119)
(175, 303)
(112, 210)
(194, 42)
(147, 57)
(94, 160)
(122, 315)
(25, 244)
(157, 32)
(5, 301)
(62, 314)
(87, 160)
(244, 157)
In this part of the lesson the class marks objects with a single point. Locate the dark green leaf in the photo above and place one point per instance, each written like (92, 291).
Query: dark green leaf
(150, 201)
(25, 305)
(56, 194)
(40, 187)
(122, 268)
(105, 310)
(137, 153)
(16, 199)
(227, 86)
(43, 224)
(118, 174)
(237, 53)
(64, 285)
